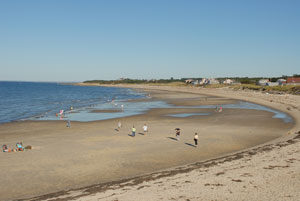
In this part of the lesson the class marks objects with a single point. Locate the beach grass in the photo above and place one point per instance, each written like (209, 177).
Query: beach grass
(292, 89)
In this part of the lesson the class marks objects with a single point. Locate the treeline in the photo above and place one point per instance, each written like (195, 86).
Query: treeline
(134, 81)
(242, 80)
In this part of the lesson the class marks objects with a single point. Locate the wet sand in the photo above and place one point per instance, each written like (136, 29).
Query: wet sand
(91, 153)
(105, 111)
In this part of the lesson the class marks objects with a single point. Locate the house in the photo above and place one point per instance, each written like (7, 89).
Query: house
(263, 82)
(281, 81)
(213, 81)
(228, 81)
(203, 81)
(271, 84)
(293, 81)
(196, 82)
(189, 81)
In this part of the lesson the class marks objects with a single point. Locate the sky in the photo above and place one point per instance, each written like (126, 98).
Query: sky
(72, 40)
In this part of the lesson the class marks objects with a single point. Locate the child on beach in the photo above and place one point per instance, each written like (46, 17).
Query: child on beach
(119, 125)
(145, 128)
(221, 109)
(5, 148)
(177, 132)
(133, 131)
(69, 124)
(196, 139)
(19, 146)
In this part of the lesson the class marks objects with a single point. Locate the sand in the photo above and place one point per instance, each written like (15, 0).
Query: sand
(93, 161)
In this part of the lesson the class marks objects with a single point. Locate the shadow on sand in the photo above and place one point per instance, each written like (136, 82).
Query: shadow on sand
(190, 144)
(172, 138)
(131, 135)
(141, 133)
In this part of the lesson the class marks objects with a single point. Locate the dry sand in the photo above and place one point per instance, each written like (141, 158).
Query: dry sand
(94, 154)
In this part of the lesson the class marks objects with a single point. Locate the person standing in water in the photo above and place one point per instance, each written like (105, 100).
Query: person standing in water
(133, 131)
(196, 139)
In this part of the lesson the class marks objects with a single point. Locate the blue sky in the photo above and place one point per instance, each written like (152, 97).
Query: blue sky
(69, 40)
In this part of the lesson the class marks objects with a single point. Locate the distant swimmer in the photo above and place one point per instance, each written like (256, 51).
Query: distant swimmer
(122, 107)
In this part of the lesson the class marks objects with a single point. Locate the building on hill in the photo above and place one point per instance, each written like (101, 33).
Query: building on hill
(263, 82)
(204, 81)
(281, 81)
(271, 84)
(213, 81)
(228, 81)
(293, 81)
(189, 81)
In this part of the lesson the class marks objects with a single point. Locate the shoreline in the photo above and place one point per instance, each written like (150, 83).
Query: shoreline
(289, 139)
(169, 171)
(212, 92)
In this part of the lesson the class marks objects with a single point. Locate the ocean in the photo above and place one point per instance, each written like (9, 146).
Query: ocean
(42, 101)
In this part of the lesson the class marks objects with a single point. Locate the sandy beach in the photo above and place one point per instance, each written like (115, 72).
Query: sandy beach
(242, 154)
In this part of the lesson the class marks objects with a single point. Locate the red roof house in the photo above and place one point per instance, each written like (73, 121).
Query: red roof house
(293, 80)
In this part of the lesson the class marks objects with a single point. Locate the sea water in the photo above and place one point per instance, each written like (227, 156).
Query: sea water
(43, 101)
(36, 100)
(239, 105)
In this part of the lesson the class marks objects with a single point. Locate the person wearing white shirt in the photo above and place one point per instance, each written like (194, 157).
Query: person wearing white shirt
(196, 139)
(145, 128)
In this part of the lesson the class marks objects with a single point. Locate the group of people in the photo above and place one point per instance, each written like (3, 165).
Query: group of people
(145, 129)
(19, 147)
(219, 109)
(177, 133)
(133, 129)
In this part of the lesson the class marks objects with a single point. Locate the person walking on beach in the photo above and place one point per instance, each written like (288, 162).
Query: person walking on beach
(69, 124)
(196, 139)
(145, 128)
(133, 130)
(177, 132)
(119, 125)
(221, 109)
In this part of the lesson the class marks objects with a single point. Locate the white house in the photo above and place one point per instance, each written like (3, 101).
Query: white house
(204, 81)
(189, 81)
(228, 81)
(281, 81)
(213, 81)
(272, 84)
(263, 82)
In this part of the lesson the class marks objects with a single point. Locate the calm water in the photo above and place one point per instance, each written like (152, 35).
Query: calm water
(42, 101)
(26, 100)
